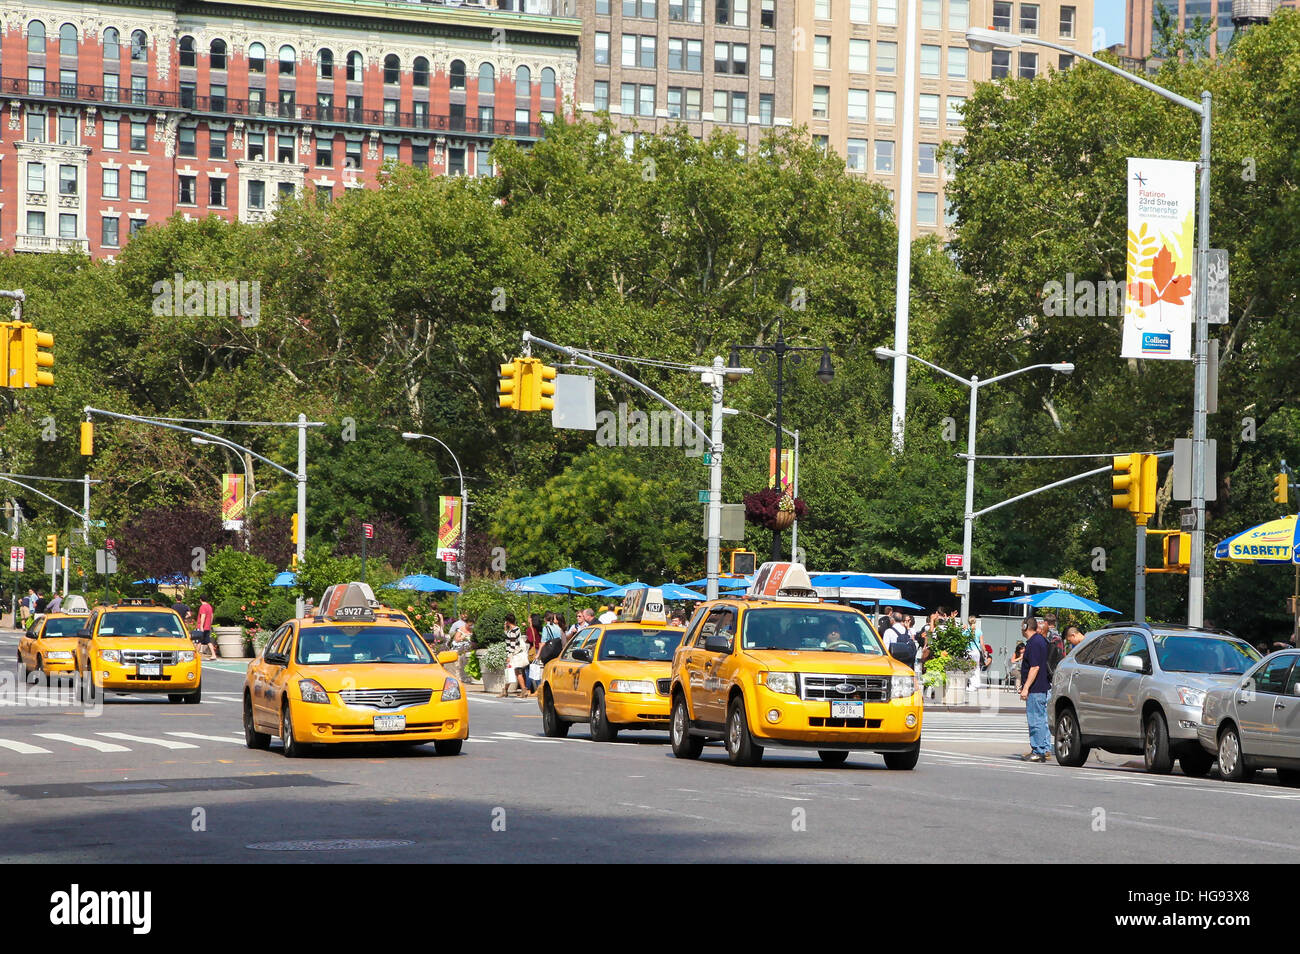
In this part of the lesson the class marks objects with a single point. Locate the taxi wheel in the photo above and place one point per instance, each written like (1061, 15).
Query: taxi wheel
(903, 761)
(41, 673)
(252, 738)
(552, 725)
(195, 697)
(88, 688)
(601, 730)
(741, 749)
(447, 746)
(22, 668)
(685, 745)
(174, 697)
(833, 756)
(293, 749)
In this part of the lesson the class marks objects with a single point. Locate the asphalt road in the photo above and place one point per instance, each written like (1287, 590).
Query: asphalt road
(146, 781)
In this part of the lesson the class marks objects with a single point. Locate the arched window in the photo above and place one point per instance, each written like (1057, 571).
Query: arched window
(355, 66)
(392, 68)
(188, 55)
(548, 83)
(420, 71)
(67, 40)
(523, 84)
(257, 58)
(487, 79)
(139, 47)
(325, 64)
(457, 74)
(217, 55)
(112, 45)
(36, 37)
(287, 59)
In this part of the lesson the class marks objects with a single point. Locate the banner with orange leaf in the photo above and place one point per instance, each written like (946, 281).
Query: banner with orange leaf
(1159, 309)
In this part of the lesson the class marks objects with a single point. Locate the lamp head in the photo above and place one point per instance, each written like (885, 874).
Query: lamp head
(1065, 367)
(199, 440)
(983, 40)
(825, 371)
(410, 435)
(733, 361)
(884, 354)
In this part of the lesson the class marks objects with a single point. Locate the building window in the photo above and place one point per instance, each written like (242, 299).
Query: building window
(67, 130)
(821, 102)
(927, 207)
(684, 103)
(929, 60)
(739, 108)
(419, 156)
(139, 47)
(639, 8)
(1029, 19)
(523, 118)
(1002, 16)
(137, 225)
(111, 86)
(390, 148)
(285, 147)
(767, 62)
(188, 189)
(217, 192)
(926, 163)
(257, 102)
(860, 11)
(188, 54)
(67, 180)
(949, 213)
(390, 112)
(393, 71)
(767, 18)
(68, 83)
(36, 127)
(1067, 23)
(884, 161)
(257, 58)
(858, 110)
(324, 154)
(886, 57)
(420, 113)
(256, 150)
(487, 114)
(139, 90)
(188, 93)
(35, 177)
(766, 107)
(859, 55)
(955, 104)
(1001, 64)
(288, 60)
(957, 57)
(646, 58)
(685, 55)
(112, 47)
(822, 9)
(602, 8)
(67, 225)
(35, 223)
(186, 142)
(67, 40)
(139, 185)
(601, 50)
(931, 14)
(627, 99)
(646, 99)
(108, 231)
(355, 67)
(455, 161)
(856, 155)
(109, 183)
(822, 144)
(1064, 61)
(112, 134)
(325, 64)
(927, 112)
(217, 55)
(548, 83)
(731, 58)
(36, 37)
(36, 80)
(733, 12)
(139, 136)
(1028, 64)
(600, 96)
(256, 194)
(885, 106)
(887, 12)
(217, 97)
(216, 143)
(487, 79)
(523, 85)
(958, 15)
(420, 73)
(821, 52)
(354, 109)
(688, 11)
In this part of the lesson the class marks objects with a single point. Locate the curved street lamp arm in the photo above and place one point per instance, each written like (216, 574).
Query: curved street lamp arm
(76, 513)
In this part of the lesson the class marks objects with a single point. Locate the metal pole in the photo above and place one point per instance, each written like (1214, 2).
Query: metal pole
(85, 507)
(464, 527)
(715, 483)
(903, 204)
(66, 567)
(780, 388)
(302, 497)
(794, 529)
(363, 554)
(1196, 569)
(963, 586)
(1140, 576)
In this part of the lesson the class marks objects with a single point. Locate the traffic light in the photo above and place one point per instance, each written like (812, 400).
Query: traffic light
(1280, 488)
(87, 438)
(293, 529)
(13, 354)
(34, 358)
(1127, 483)
(1149, 485)
(1178, 550)
(742, 562)
(511, 394)
(543, 388)
(52, 543)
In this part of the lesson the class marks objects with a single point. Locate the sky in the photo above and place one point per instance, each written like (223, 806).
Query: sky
(1108, 23)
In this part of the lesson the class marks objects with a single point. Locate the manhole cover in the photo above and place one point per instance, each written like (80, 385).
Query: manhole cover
(329, 844)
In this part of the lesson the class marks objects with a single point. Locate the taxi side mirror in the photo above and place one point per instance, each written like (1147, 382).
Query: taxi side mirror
(83, 634)
(717, 643)
(450, 656)
(582, 655)
(276, 658)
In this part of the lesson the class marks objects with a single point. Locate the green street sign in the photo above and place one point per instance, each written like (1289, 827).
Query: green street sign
(706, 460)
(702, 496)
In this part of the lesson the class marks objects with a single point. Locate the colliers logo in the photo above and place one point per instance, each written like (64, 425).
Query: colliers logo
(77, 907)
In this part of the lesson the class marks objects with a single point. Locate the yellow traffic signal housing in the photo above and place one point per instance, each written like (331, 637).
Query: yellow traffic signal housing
(52, 543)
(1149, 485)
(1178, 550)
(544, 388)
(742, 562)
(6, 333)
(87, 438)
(34, 359)
(293, 528)
(1280, 488)
(1127, 482)
(13, 354)
(512, 395)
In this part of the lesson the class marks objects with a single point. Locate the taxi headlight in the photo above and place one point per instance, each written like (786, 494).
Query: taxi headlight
(902, 687)
(186, 656)
(451, 691)
(638, 686)
(59, 654)
(312, 691)
(110, 655)
(780, 682)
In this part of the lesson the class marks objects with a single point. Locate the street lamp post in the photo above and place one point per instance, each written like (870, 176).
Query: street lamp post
(794, 477)
(464, 499)
(203, 441)
(781, 352)
(983, 41)
(974, 384)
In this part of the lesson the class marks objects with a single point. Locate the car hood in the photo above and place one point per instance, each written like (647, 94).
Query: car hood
(376, 676)
(58, 642)
(152, 643)
(633, 669)
(817, 660)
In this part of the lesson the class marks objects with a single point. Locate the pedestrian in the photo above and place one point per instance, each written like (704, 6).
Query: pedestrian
(1014, 665)
(975, 652)
(1034, 686)
(552, 639)
(203, 630)
(517, 655)
(899, 643)
(38, 606)
(678, 618)
(586, 617)
(308, 607)
(607, 615)
(565, 629)
(1073, 637)
(458, 625)
(55, 604)
(28, 605)
(181, 610)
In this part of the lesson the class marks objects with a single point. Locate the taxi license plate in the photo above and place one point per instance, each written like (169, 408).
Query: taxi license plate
(149, 669)
(390, 723)
(846, 710)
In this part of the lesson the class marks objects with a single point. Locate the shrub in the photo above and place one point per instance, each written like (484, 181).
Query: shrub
(228, 613)
(472, 669)
(489, 627)
(232, 574)
(274, 612)
(496, 656)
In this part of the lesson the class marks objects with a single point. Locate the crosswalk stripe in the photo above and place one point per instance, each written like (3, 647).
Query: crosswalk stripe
(522, 736)
(208, 738)
(165, 743)
(22, 748)
(77, 740)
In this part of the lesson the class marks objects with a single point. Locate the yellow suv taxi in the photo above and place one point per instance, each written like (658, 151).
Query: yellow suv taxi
(613, 676)
(135, 646)
(49, 646)
(353, 673)
(778, 666)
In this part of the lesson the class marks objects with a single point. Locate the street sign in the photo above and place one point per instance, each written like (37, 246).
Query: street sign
(49, 563)
(733, 522)
(13, 559)
(105, 562)
(22, 559)
(952, 559)
(1187, 519)
(703, 496)
(1216, 293)
(369, 530)
(706, 460)
(110, 544)
(100, 524)
(447, 555)
(575, 402)
(1183, 469)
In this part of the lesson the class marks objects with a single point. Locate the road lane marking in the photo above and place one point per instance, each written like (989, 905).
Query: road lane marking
(207, 738)
(22, 748)
(165, 743)
(87, 743)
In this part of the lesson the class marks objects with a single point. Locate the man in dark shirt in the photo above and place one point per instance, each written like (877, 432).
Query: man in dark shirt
(1034, 685)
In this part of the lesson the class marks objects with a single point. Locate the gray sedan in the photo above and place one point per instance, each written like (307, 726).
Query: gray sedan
(1255, 722)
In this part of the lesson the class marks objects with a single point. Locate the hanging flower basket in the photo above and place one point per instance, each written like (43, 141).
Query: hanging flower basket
(774, 509)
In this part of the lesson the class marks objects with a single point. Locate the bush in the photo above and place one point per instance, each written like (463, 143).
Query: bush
(272, 614)
(232, 574)
(489, 627)
(496, 656)
(472, 670)
(228, 613)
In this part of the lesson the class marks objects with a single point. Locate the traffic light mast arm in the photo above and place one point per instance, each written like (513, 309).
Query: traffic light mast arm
(1056, 483)
(76, 513)
(225, 442)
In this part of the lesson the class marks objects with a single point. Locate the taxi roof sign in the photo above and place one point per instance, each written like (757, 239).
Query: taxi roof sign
(644, 606)
(782, 581)
(75, 606)
(354, 601)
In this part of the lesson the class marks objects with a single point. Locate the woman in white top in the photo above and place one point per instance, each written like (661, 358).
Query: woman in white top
(517, 648)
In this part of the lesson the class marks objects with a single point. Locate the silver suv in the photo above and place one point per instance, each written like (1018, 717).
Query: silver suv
(1139, 687)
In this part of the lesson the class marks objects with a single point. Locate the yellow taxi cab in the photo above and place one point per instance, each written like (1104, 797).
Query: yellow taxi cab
(49, 646)
(135, 646)
(779, 666)
(354, 672)
(613, 676)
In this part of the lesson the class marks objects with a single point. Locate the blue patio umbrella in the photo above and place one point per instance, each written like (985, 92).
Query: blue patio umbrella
(424, 583)
(621, 591)
(1058, 599)
(573, 579)
(902, 604)
(725, 582)
(285, 579)
(675, 591)
(526, 584)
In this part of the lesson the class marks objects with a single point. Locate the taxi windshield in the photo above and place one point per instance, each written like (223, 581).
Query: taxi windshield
(640, 645)
(808, 629)
(141, 624)
(1204, 654)
(63, 626)
(338, 645)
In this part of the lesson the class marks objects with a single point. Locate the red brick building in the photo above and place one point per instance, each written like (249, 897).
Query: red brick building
(114, 114)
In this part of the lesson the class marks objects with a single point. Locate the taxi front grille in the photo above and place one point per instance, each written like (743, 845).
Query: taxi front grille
(663, 685)
(832, 687)
(385, 698)
(132, 677)
(369, 730)
(653, 716)
(819, 723)
(135, 657)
